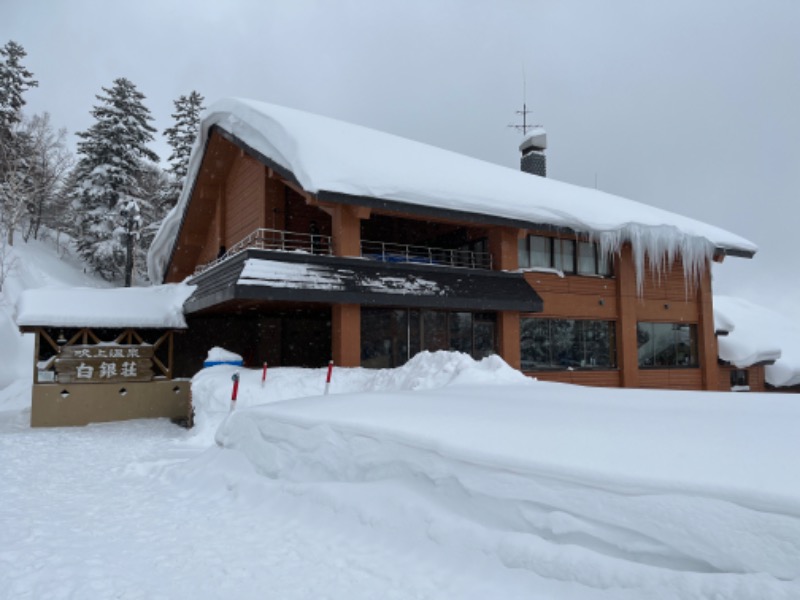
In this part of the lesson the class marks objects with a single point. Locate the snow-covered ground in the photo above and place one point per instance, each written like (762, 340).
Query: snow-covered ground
(445, 478)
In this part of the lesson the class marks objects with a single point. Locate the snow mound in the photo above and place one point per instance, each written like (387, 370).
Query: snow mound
(431, 370)
(217, 354)
(662, 494)
(212, 387)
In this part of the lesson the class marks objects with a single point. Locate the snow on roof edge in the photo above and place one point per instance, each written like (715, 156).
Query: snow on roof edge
(311, 148)
(153, 307)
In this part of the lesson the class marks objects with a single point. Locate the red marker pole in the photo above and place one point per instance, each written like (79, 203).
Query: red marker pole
(328, 379)
(264, 375)
(235, 392)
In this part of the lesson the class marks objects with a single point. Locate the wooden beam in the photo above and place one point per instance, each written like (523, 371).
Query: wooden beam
(48, 339)
(346, 335)
(508, 337)
(36, 356)
(707, 344)
(627, 299)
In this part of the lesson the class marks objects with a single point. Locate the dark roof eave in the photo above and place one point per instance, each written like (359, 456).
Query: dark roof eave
(734, 252)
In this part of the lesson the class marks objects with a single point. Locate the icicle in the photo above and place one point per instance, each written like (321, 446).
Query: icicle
(657, 249)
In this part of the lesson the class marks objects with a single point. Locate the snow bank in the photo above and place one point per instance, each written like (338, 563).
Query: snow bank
(34, 264)
(158, 306)
(326, 155)
(660, 494)
(212, 387)
(758, 334)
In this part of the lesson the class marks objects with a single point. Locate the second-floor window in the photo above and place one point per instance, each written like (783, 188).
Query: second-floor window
(566, 255)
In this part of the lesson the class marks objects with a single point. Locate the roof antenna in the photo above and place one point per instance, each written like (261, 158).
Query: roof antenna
(524, 112)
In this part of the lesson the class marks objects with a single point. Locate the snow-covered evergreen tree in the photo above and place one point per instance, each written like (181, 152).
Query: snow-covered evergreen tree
(15, 147)
(111, 156)
(181, 138)
(15, 79)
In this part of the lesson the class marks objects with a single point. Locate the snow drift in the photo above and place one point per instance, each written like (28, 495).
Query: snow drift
(663, 494)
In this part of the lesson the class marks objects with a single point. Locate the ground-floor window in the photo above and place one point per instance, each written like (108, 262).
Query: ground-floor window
(567, 343)
(665, 345)
(389, 337)
(739, 378)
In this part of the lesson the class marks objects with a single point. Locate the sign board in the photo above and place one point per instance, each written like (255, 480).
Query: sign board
(104, 363)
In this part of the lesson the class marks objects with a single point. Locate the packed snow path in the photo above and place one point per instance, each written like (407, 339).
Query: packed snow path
(109, 511)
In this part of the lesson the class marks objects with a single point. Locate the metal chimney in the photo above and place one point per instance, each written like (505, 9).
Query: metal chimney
(532, 147)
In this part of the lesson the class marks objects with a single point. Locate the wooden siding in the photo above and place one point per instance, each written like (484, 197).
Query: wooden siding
(207, 191)
(274, 204)
(244, 196)
(675, 379)
(575, 296)
(299, 215)
(670, 286)
(610, 378)
(213, 241)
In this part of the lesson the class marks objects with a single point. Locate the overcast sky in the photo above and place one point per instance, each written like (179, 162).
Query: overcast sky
(690, 105)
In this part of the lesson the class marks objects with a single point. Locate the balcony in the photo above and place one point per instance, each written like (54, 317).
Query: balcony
(290, 241)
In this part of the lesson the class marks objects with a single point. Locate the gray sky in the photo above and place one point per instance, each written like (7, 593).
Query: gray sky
(687, 105)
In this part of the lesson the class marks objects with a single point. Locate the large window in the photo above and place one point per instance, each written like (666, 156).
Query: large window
(567, 343)
(666, 345)
(389, 337)
(567, 255)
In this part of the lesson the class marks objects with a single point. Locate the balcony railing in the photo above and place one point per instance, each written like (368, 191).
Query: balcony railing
(289, 241)
(401, 253)
(275, 239)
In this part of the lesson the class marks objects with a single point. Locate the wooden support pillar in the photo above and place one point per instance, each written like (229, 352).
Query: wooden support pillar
(627, 346)
(508, 337)
(346, 230)
(346, 334)
(707, 342)
(503, 246)
(36, 346)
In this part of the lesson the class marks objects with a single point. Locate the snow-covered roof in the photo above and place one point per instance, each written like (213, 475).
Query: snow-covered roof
(758, 335)
(156, 307)
(327, 155)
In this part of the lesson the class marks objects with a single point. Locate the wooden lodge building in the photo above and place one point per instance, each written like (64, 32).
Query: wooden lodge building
(309, 239)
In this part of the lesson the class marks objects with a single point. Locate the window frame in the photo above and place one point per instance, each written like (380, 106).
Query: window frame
(675, 346)
(556, 249)
(581, 340)
(735, 378)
